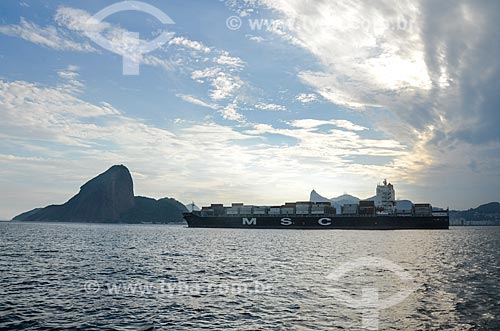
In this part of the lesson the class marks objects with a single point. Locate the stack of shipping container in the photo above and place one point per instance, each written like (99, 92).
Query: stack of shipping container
(367, 208)
(350, 209)
(288, 208)
(422, 209)
(303, 208)
(364, 208)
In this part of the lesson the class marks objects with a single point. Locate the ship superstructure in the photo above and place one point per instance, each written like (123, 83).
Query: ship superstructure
(385, 199)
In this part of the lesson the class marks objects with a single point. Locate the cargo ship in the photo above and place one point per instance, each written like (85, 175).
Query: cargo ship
(381, 212)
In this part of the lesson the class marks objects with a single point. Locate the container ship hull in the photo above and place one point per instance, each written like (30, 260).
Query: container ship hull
(388, 222)
(382, 212)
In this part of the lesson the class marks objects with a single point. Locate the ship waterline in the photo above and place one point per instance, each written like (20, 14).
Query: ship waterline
(319, 222)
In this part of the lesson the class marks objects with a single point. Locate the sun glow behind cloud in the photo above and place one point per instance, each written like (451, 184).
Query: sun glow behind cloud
(410, 67)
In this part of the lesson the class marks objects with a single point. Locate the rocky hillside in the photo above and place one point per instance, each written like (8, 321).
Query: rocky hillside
(487, 214)
(109, 197)
(337, 202)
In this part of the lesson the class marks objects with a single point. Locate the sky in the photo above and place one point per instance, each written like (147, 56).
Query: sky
(255, 101)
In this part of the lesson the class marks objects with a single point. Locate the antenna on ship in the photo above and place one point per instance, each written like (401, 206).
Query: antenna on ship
(192, 206)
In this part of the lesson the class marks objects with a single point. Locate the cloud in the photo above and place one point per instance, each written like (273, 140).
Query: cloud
(364, 55)
(230, 112)
(219, 72)
(333, 142)
(422, 72)
(195, 101)
(257, 39)
(306, 97)
(224, 84)
(118, 40)
(230, 61)
(428, 92)
(48, 36)
(61, 131)
(312, 123)
(31, 111)
(460, 47)
(67, 74)
(79, 20)
(72, 34)
(72, 140)
(72, 82)
(182, 41)
(270, 106)
(223, 81)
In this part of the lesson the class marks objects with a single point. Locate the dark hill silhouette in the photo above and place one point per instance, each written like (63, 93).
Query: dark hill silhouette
(109, 197)
(489, 208)
(156, 211)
